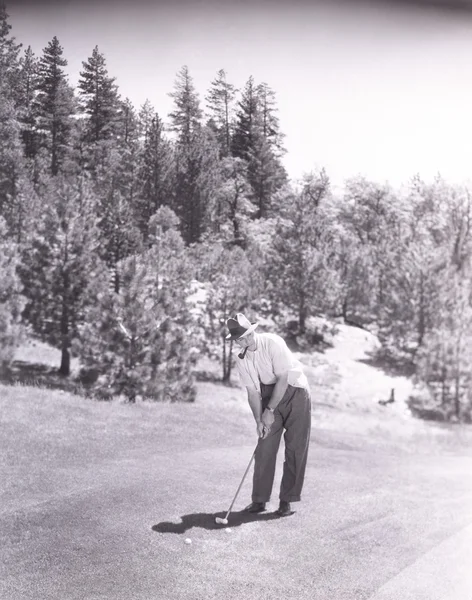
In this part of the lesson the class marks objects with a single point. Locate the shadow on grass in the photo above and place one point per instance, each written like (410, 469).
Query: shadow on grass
(391, 365)
(40, 375)
(207, 521)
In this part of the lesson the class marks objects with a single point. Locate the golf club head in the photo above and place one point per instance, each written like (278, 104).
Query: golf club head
(221, 521)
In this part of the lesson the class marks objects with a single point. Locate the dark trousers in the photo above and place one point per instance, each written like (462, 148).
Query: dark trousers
(294, 415)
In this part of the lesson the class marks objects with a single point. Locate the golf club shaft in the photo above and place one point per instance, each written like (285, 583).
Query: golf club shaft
(241, 484)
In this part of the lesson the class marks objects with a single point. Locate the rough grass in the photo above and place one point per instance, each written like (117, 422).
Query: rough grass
(346, 385)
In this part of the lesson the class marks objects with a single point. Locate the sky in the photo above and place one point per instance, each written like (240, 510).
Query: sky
(377, 88)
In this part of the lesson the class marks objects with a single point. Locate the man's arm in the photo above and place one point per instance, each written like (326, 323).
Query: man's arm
(279, 390)
(254, 399)
(277, 395)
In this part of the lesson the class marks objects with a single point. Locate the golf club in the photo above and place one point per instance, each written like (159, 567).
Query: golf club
(224, 521)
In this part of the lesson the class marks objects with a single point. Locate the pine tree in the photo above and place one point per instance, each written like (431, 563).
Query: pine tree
(373, 221)
(55, 105)
(17, 199)
(99, 98)
(119, 233)
(269, 122)
(266, 176)
(146, 115)
(137, 339)
(129, 148)
(246, 126)
(28, 88)
(11, 300)
(187, 114)
(227, 290)
(58, 260)
(442, 215)
(220, 103)
(443, 361)
(195, 175)
(231, 208)
(258, 141)
(196, 157)
(9, 58)
(301, 263)
(155, 174)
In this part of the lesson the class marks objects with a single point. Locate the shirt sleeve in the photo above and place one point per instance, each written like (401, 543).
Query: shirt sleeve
(281, 357)
(244, 375)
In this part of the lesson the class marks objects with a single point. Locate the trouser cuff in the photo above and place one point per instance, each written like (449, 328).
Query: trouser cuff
(259, 499)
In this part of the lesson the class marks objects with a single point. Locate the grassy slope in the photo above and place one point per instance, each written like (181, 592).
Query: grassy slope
(109, 491)
(49, 437)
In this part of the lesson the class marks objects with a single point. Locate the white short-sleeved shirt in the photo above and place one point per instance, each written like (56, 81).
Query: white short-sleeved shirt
(268, 361)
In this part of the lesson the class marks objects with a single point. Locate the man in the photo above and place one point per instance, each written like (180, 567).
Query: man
(279, 398)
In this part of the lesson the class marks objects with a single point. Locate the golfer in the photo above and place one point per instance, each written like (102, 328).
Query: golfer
(279, 398)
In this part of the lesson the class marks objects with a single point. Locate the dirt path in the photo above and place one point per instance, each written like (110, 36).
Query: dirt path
(343, 378)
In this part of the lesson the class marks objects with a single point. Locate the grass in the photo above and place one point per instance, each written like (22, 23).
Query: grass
(346, 383)
(97, 497)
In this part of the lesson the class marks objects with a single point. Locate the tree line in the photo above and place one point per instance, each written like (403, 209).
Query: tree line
(127, 238)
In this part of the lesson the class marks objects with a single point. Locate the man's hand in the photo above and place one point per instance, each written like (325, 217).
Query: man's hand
(268, 419)
(260, 429)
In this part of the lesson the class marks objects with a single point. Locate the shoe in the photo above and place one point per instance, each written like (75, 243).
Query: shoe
(255, 507)
(285, 510)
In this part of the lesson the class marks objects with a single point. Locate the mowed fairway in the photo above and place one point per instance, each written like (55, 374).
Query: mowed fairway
(98, 498)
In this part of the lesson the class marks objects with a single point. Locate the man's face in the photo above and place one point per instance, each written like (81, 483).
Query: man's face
(244, 342)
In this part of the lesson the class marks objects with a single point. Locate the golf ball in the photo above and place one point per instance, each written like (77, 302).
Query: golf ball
(228, 530)
(188, 541)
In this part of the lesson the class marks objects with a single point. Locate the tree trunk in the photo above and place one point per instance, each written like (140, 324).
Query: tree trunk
(344, 309)
(302, 314)
(65, 362)
(457, 396)
(421, 319)
(227, 360)
(54, 167)
(224, 378)
(65, 341)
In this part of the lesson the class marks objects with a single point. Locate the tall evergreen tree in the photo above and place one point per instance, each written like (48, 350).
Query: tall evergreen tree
(246, 126)
(146, 115)
(17, 199)
(196, 156)
(99, 98)
(187, 114)
(268, 120)
(129, 149)
(258, 141)
(28, 89)
(194, 184)
(58, 260)
(266, 175)
(9, 57)
(155, 174)
(220, 103)
(55, 105)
